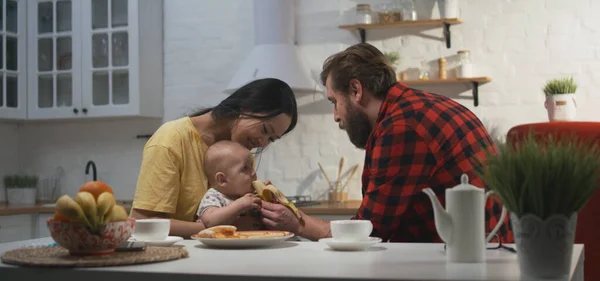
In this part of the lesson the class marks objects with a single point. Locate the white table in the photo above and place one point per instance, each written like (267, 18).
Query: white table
(294, 260)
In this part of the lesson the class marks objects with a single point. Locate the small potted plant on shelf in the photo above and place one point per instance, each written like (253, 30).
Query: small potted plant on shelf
(560, 99)
(21, 189)
(544, 184)
(393, 58)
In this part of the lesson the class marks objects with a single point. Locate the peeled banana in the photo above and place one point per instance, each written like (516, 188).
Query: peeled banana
(271, 194)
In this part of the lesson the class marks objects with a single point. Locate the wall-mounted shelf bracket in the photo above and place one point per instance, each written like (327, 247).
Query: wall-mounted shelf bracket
(363, 35)
(447, 35)
(475, 93)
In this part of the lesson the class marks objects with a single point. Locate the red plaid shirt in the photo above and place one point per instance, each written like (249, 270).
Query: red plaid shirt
(420, 140)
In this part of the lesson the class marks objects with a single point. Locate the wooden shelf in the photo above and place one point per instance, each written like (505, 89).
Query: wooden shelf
(445, 23)
(474, 81)
(480, 80)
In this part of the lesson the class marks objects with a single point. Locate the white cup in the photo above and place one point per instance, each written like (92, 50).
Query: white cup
(151, 229)
(351, 230)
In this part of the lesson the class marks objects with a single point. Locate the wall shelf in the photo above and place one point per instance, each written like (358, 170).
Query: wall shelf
(434, 23)
(474, 81)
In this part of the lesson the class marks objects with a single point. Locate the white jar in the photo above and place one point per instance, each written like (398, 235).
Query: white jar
(364, 14)
(465, 68)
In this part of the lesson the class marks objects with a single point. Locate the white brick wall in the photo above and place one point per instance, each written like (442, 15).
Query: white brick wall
(520, 44)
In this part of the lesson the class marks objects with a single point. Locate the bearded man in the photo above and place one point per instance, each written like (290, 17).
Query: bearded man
(412, 140)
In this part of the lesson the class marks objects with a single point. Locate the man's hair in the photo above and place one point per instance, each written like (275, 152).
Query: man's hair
(363, 62)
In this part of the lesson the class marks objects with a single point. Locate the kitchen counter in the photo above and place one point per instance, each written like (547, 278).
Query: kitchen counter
(298, 261)
(324, 208)
(40, 208)
(329, 208)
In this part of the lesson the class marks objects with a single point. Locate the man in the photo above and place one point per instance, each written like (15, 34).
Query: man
(412, 140)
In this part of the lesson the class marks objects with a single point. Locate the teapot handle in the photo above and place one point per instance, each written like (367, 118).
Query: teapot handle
(499, 224)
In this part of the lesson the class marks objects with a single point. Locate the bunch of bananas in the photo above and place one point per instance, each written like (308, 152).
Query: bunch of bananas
(93, 212)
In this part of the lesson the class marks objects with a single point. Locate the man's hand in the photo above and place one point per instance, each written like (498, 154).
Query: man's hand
(279, 217)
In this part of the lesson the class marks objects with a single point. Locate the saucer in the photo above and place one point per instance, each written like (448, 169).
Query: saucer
(350, 245)
(167, 242)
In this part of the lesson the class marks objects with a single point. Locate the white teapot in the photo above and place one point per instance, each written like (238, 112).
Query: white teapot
(462, 224)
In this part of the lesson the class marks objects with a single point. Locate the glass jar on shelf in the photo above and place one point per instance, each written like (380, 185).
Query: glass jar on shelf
(408, 11)
(424, 72)
(364, 14)
(465, 66)
(385, 14)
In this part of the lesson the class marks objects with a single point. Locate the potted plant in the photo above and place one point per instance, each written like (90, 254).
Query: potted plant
(393, 59)
(20, 189)
(544, 185)
(560, 99)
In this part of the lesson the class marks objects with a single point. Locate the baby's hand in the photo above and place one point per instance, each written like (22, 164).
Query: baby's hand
(249, 202)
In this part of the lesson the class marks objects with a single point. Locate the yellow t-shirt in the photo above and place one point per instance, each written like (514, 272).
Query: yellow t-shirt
(172, 178)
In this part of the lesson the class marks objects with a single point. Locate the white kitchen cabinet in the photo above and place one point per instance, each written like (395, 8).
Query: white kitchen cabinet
(16, 227)
(41, 227)
(94, 58)
(13, 75)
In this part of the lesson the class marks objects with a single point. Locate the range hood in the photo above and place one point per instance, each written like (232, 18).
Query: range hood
(274, 54)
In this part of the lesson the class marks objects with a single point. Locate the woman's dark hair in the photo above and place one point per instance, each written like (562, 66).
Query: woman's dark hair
(269, 97)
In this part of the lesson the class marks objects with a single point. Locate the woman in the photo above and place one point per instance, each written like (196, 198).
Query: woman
(172, 182)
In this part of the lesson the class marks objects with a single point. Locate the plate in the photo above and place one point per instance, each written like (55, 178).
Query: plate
(350, 245)
(255, 240)
(167, 242)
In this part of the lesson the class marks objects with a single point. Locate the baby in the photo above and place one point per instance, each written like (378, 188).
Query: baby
(229, 168)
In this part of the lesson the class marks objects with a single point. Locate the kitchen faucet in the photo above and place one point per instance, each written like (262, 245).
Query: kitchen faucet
(87, 169)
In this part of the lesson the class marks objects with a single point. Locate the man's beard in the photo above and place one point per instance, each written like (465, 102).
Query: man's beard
(357, 126)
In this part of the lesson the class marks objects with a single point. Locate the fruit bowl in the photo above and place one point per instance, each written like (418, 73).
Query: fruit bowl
(79, 240)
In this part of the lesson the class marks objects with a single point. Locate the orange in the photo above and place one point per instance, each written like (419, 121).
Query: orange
(96, 188)
(59, 217)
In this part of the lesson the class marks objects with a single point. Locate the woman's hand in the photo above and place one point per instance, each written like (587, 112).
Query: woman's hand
(278, 217)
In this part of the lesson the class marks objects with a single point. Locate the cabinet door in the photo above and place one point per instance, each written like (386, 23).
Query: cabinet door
(109, 63)
(15, 228)
(41, 229)
(54, 59)
(13, 73)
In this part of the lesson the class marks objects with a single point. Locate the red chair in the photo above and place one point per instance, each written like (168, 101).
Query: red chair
(588, 230)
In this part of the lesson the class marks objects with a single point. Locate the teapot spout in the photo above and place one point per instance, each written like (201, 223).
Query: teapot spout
(443, 220)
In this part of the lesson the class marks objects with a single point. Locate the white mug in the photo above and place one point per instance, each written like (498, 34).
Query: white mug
(151, 229)
(351, 230)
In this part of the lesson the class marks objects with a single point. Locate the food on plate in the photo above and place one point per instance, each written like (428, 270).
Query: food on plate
(230, 232)
(271, 194)
(94, 206)
(219, 231)
(263, 233)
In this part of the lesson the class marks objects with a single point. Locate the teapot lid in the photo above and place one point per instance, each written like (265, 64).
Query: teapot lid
(464, 184)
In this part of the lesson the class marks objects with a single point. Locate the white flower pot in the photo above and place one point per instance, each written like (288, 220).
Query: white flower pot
(21, 196)
(561, 107)
(448, 8)
(544, 247)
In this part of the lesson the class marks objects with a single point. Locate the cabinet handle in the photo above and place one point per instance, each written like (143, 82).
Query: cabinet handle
(84, 110)
(75, 110)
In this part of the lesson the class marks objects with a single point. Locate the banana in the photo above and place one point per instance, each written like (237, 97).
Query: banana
(271, 194)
